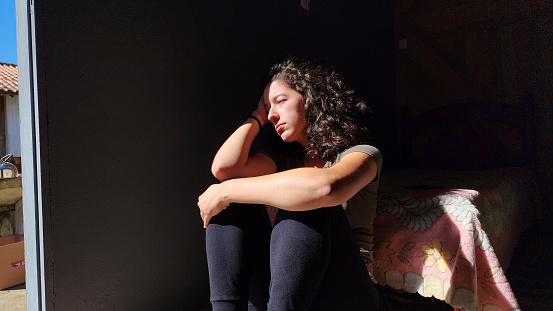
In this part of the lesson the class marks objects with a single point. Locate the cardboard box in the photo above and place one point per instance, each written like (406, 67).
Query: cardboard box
(12, 261)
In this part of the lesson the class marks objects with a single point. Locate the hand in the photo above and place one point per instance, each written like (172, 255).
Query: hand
(211, 202)
(262, 112)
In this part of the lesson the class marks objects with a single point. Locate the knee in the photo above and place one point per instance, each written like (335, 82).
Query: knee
(292, 235)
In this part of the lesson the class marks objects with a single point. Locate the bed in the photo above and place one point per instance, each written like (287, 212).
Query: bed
(448, 223)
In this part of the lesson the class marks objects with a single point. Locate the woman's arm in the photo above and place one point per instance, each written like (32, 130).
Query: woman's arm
(232, 160)
(298, 189)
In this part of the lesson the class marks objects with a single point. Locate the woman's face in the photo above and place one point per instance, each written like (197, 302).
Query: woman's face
(286, 112)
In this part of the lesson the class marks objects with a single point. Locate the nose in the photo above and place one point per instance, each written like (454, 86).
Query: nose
(272, 116)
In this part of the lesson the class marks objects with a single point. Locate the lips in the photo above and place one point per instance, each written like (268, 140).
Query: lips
(279, 128)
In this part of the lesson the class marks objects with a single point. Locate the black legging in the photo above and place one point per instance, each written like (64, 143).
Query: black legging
(308, 261)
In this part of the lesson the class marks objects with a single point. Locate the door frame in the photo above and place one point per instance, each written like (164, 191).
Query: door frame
(34, 229)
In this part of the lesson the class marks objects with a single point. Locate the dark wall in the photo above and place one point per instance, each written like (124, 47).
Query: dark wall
(135, 97)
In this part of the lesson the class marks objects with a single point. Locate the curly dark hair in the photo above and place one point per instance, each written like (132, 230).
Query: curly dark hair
(333, 113)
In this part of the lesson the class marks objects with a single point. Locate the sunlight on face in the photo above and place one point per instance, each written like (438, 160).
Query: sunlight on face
(286, 111)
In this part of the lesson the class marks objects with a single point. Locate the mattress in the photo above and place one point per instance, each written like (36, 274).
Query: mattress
(451, 234)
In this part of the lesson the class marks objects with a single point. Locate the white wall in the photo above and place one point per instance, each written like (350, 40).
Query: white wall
(13, 138)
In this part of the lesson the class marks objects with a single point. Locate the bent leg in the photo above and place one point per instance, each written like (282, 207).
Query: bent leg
(237, 246)
(316, 264)
(347, 284)
(300, 251)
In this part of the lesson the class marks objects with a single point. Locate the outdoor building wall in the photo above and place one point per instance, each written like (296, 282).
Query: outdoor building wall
(2, 125)
(135, 97)
(13, 140)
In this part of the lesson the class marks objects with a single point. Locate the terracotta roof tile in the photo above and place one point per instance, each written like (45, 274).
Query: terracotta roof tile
(8, 79)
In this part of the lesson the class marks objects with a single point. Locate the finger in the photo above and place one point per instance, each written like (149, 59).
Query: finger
(206, 221)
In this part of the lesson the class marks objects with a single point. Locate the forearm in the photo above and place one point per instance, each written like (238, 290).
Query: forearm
(233, 154)
(295, 190)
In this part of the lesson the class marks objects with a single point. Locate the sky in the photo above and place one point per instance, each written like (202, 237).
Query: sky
(8, 43)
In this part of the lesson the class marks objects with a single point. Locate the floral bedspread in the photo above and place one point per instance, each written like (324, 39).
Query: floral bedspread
(451, 234)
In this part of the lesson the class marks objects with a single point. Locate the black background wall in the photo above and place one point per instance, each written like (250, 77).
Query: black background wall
(136, 96)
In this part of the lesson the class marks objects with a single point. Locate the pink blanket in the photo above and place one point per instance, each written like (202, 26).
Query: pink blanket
(434, 242)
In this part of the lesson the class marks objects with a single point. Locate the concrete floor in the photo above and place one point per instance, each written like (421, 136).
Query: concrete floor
(13, 298)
